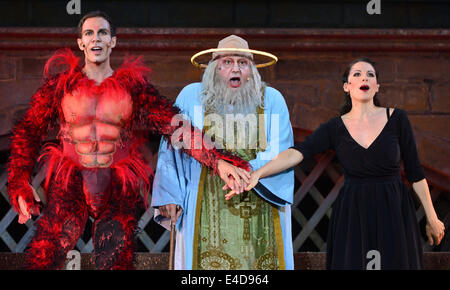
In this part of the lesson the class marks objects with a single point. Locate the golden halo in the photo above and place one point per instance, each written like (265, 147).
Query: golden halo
(266, 54)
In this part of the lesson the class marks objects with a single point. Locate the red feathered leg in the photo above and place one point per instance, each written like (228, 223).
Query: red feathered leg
(60, 227)
(115, 229)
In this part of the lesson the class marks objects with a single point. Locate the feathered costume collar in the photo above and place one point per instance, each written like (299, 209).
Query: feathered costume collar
(131, 74)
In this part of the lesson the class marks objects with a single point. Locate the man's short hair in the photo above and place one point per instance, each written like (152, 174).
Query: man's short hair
(93, 14)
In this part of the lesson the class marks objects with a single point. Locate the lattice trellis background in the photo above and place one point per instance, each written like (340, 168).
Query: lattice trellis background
(318, 181)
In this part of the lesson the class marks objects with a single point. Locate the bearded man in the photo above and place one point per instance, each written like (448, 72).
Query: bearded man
(251, 230)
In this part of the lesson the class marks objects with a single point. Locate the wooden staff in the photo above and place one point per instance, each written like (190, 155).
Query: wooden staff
(172, 246)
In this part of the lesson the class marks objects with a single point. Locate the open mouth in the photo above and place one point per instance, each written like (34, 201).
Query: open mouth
(97, 49)
(235, 82)
(364, 88)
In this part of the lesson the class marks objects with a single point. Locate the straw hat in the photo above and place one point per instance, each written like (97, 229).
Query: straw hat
(234, 46)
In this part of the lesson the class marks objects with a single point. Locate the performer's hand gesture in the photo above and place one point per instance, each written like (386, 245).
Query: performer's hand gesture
(234, 177)
(24, 211)
(254, 178)
(435, 231)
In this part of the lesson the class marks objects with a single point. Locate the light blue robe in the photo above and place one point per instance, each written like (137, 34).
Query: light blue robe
(177, 174)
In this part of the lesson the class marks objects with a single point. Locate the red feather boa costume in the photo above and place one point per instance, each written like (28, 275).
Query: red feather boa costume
(110, 194)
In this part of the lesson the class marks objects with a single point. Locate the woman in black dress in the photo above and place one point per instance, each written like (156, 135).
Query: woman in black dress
(374, 210)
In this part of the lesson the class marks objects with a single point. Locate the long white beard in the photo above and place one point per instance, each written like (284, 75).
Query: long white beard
(237, 108)
(219, 98)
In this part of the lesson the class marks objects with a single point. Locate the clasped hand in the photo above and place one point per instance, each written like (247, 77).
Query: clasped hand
(236, 180)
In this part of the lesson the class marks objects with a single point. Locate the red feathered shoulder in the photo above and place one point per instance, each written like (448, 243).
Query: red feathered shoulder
(61, 58)
(132, 73)
(66, 66)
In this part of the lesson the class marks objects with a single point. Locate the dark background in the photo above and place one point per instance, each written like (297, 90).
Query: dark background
(242, 13)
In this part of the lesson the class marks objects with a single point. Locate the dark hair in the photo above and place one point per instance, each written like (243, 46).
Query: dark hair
(93, 14)
(347, 105)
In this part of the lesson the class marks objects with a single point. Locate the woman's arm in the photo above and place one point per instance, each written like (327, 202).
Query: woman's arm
(320, 140)
(285, 160)
(435, 228)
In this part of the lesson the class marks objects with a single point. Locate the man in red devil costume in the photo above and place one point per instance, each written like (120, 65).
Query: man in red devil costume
(103, 117)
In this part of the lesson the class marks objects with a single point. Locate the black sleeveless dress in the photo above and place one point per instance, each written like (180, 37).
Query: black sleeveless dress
(374, 209)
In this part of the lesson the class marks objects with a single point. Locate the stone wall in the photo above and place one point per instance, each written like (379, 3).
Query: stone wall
(413, 67)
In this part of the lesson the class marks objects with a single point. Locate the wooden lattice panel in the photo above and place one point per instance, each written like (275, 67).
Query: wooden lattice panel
(153, 238)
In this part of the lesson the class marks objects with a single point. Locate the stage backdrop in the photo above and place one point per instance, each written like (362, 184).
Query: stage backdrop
(412, 64)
